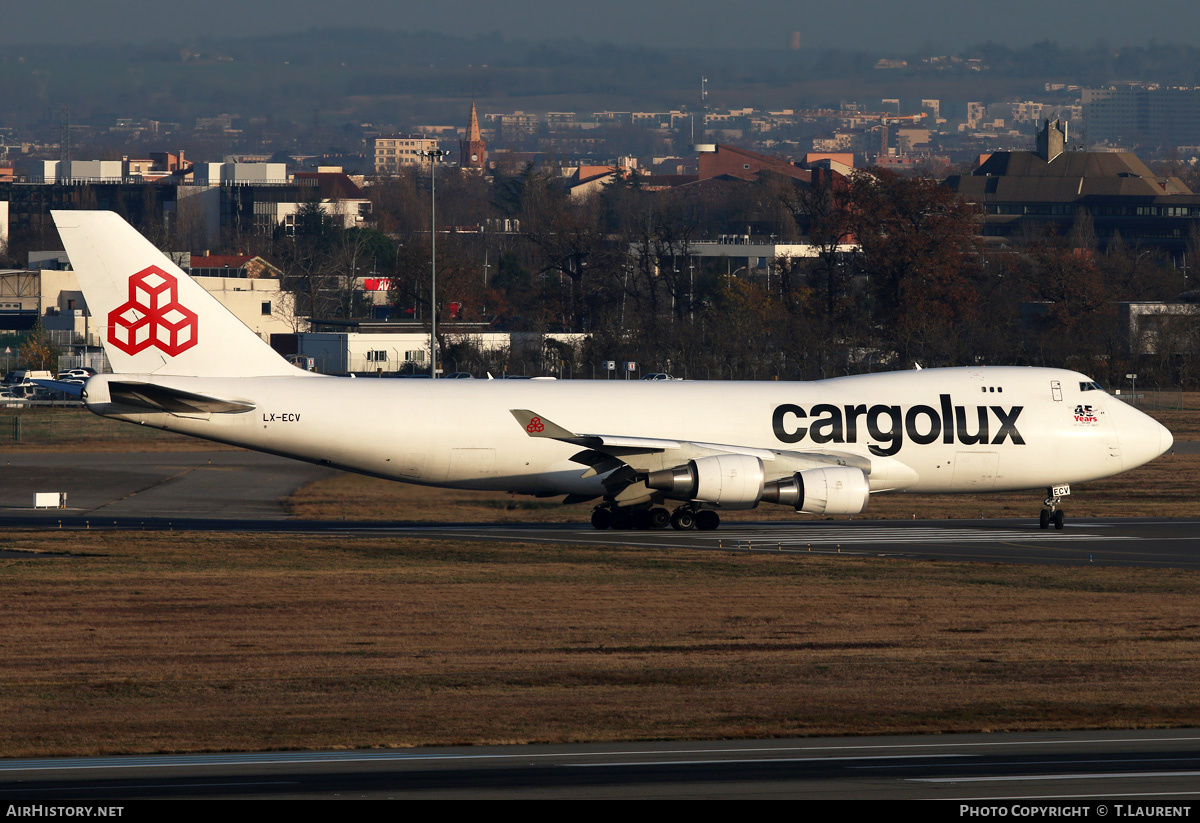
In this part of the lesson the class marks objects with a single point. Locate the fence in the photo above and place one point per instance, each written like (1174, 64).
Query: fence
(1162, 398)
(43, 423)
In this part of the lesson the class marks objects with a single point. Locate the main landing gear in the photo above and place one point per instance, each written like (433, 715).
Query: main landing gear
(608, 516)
(1053, 514)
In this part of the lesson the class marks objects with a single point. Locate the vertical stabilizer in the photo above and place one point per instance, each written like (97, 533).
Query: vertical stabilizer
(154, 318)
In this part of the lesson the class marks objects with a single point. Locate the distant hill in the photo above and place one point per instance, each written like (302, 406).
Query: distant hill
(343, 77)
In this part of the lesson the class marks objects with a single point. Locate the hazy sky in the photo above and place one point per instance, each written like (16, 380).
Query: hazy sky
(899, 25)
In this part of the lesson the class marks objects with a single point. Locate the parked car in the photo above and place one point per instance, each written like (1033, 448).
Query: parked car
(459, 375)
(657, 375)
(19, 376)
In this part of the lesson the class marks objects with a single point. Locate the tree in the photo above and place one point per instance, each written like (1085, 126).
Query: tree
(307, 258)
(38, 352)
(566, 237)
(919, 257)
(823, 211)
(1073, 318)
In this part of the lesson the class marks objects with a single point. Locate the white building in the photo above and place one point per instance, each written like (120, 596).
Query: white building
(387, 352)
(393, 152)
(234, 174)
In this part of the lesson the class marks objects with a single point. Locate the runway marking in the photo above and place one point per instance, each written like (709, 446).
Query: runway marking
(155, 761)
(1016, 778)
(917, 535)
(1094, 760)
(211, 785)
(792, 538)
(756, 760)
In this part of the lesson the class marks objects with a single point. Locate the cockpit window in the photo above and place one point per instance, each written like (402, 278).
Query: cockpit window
(1090, 386)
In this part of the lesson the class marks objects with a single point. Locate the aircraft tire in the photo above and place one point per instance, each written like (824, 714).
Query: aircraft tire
(601, 519)
(1057, 517)
(682, 520)
(1044, 519)
(660, 518)
(707, 520)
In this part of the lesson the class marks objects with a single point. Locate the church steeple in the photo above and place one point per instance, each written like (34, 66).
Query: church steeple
(472, 152)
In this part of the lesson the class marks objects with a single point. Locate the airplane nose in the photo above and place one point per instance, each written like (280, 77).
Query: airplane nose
(1142, 437)
(1165, 439)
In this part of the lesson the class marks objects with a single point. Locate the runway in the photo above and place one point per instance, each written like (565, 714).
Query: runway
(239, 484)
(238, 491)
(1110, 542)
(1076, 769)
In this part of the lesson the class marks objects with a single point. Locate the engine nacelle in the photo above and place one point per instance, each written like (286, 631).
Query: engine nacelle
(732, 481)
(832, 490)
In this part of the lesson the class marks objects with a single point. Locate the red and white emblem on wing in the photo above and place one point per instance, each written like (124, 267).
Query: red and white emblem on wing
(152, 316)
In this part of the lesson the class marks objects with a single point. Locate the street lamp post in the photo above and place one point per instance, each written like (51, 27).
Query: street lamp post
(434, 156)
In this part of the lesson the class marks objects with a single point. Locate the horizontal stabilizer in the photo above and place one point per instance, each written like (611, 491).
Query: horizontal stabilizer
(73, 389)
(164, 399)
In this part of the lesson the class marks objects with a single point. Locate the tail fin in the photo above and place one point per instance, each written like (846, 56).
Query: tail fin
(155, 318)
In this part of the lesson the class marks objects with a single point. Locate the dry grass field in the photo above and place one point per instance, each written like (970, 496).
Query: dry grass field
(199, 642)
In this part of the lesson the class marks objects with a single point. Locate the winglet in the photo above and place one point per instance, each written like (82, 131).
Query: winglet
(537, 426)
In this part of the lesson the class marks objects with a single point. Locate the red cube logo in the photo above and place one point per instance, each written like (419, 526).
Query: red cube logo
(152, 316)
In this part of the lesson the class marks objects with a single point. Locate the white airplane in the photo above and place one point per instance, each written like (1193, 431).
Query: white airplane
(185, 364)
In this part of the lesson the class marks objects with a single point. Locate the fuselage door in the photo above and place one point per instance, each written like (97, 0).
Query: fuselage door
(976, 470)
(1056, 391)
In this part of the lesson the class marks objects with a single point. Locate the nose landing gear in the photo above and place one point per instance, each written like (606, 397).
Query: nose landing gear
(1052, 514)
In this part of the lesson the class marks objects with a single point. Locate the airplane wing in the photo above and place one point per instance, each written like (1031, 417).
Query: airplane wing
(630, 459)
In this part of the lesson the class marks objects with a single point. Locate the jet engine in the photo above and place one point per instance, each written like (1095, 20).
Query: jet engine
(732, 481)
(832, 490)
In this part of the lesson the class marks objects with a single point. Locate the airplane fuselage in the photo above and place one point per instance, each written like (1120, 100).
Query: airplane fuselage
(937, 430)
